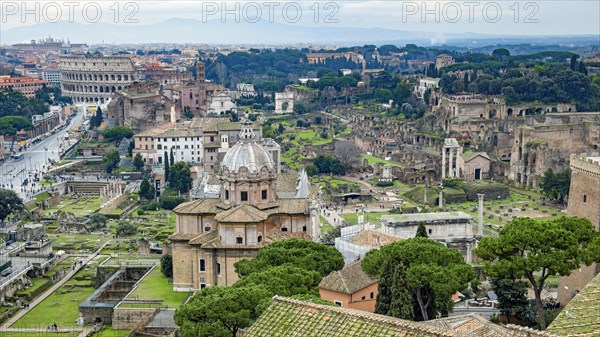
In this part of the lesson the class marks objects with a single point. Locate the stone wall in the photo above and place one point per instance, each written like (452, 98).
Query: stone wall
(584, 195)
(130, 318)
(584, 201)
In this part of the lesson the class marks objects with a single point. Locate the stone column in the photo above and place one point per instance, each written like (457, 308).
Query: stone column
(480, 211)
(441, 200)
(469, 253)
(443, 162)
(450, 171)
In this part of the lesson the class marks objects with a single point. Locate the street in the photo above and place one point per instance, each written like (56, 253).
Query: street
(13, 173)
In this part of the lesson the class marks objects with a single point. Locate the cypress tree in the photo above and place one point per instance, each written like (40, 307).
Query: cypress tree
(401, 304)
(166, 167)
(172, 157)
(384, 291)
(422, 231)
(393, 296)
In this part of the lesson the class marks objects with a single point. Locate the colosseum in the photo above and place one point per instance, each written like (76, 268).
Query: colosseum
(93, 78)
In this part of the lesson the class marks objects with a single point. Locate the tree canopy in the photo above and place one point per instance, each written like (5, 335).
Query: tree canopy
(111, 160)
(284, 280)
(433, 272)
(13, 102)
(393, 296)
(556, 185)
(138, 162)
(329, 164)
(221, 311)
(117, 133)
(512, 297)
(302, 253)
(536, 250)
(147, 191)
(180, 177)
(10, 203)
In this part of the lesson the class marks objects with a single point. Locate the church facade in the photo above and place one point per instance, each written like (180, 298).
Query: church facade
(255, 205)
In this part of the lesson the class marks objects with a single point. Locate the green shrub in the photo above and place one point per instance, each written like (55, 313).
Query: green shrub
(170, 201)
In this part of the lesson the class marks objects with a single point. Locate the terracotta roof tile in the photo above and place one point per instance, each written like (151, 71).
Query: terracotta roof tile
(200, 206)
(584, 313)
(243, 213)
(289, 318)
(348, 280)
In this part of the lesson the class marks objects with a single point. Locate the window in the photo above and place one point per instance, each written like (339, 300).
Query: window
(338, 303)
(364, 298)
(304, 228)
(218, 269)
(207, 229)
(239, 240)
(430, 231)
(284, 229)
(260, 238)
(372, 295)
(243, 195)
(202, 265)
(226, 195)
(264, 195)
(212, 139)
(202, 285)
(584, 198)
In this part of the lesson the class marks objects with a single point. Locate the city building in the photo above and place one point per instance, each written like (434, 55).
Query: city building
(473, 165)
(142, 106)
(53, 76)
(584, 201)
(444, 60)
(244, 90)
(26, 85)
(184, 142)
(425, 84)
(350, 287)
(51, 44)
(45, 123)
(95, 78)
(454, 229)
(252, 206)
(219, 134)
(220, 102)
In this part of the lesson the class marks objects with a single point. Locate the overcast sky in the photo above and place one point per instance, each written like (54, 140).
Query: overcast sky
(546, 17)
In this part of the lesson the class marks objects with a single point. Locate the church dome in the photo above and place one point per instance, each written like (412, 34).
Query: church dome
(247, 152)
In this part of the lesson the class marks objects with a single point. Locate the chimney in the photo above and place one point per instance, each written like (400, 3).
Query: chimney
(480, 230)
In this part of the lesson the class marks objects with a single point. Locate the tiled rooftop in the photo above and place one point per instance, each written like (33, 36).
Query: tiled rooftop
(583, 318)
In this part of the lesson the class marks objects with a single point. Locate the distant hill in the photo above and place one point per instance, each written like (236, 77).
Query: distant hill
(262, 32)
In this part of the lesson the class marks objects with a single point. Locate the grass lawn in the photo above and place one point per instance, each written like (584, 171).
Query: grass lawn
(80, 207)
(42, 196)
(401, 187)
(110, 332)
(326, 227)
(372, 217)
(62, 307)
(310, 137)
(41, 334)
(37, 283)
(72, 241)
(335, 182)
(372, 160)
(158, 225)
(155, 287)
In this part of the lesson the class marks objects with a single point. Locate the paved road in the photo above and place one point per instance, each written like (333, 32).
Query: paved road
(36, 158)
